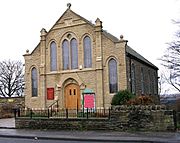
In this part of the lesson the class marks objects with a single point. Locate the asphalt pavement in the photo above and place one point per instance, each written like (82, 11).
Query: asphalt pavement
(95, 136)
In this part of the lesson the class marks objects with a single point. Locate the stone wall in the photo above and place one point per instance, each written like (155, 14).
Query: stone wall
(143, 118)
(123, 118)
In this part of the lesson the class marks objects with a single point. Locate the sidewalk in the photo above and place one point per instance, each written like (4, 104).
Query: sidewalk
(104, 136)
(7, 123)
(7, 129)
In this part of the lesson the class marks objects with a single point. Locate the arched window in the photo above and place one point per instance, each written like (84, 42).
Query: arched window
(87, 52)
(113, 79)
(133, 81)
(53, 52)
(34, 82)
(142, 81)
(74, 54)
(65, 51)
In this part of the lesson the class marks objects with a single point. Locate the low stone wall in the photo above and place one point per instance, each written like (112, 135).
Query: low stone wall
(143, 118)
(123, 118)
(63, 124)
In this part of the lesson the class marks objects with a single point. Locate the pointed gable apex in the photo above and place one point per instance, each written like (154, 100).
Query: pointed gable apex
(70, 18)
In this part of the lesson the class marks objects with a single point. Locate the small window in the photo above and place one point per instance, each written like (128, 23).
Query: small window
(74, 91)
(70, 92)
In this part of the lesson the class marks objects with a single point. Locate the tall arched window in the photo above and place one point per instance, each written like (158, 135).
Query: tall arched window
(65, 51)
(74, 54)
(142, 81)
(133, 83)
(34, 82)
(87, 52)
(113, 79)
(53, 52)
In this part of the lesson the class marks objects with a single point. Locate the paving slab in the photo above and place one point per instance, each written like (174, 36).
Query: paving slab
(7, 123)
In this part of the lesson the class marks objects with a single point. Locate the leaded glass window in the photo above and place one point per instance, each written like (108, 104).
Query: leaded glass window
(65, 51)
(53, 52)
(74, 54)
(87, 52)
(133, 83)
(113, 79)
(154, 83)
(34, 82)
(149, 82)
(142, 81)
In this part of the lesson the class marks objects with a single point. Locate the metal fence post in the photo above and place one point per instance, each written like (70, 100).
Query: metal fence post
(109, 112)
(31, 113)
(48, 112)
(19, 112)
(51, 111)
(66, 113)
(87, 113)
(83, 112)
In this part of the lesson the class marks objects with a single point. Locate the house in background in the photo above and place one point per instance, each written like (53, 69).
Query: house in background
(76, 56)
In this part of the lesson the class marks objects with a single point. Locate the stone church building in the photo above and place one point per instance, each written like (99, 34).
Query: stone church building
(76, 57)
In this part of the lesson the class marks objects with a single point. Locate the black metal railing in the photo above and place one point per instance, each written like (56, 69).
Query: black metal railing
(63, 113)
(54, 104)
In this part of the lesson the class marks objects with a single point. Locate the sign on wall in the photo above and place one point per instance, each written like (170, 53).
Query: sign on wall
(50, 93)
(89, 101)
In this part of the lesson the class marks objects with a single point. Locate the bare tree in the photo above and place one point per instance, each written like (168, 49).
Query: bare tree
(171, 61)
(11, 78)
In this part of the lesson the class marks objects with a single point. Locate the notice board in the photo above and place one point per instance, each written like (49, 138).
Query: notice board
(50, 93)
(89, 100)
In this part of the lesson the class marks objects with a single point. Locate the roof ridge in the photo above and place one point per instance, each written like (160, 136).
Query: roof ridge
(73, 13)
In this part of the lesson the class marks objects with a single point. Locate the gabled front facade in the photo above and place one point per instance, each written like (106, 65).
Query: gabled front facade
(75, 55)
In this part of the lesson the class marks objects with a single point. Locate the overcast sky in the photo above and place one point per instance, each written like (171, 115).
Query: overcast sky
(146, 24)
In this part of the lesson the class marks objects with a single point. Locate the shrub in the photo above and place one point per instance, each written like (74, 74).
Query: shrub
(140, 100)
(121, 97)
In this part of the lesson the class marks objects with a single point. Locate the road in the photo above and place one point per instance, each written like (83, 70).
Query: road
(21, 140)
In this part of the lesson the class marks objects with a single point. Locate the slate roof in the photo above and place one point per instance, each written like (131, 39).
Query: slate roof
(129, 50)
(132, 52)
(110, 36)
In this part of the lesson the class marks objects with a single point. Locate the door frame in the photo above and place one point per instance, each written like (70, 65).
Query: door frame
(78, 96)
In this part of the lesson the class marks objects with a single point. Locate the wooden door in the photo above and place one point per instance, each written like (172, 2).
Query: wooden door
(72, 96)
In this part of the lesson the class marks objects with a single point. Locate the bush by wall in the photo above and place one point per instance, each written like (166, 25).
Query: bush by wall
(121, 97)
